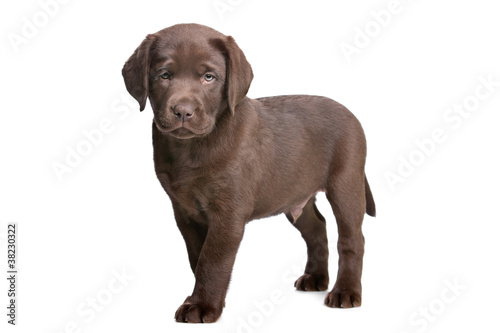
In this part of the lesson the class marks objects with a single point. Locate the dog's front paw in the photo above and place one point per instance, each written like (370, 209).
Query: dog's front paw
(344, 296)
(196, 312)
(310, 282)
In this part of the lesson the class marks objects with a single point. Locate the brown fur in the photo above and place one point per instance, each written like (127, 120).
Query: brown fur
(225, 159)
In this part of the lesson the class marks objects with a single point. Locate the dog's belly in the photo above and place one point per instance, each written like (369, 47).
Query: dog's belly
(291, 206)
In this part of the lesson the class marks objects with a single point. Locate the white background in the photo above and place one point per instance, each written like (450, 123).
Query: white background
(438, 227)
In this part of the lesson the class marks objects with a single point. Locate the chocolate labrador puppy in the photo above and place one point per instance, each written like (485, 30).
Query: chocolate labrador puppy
(225, 159)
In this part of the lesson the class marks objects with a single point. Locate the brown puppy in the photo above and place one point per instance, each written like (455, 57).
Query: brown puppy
(225, 159)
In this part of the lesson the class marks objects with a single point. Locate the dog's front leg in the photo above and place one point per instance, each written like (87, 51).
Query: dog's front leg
(213, 273)
(194, 234)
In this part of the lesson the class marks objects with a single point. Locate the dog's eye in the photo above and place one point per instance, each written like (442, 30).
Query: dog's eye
(208, 77)
(166, 76)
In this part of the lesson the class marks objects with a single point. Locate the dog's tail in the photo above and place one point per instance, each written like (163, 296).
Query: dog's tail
(370, 203)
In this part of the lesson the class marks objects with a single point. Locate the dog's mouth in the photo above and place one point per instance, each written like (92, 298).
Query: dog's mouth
(182, 130)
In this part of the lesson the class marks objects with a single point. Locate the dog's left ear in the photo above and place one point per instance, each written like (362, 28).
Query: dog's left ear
(239, 73)
(136, 71)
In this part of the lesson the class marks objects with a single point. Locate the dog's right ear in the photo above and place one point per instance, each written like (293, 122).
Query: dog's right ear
(136, 71)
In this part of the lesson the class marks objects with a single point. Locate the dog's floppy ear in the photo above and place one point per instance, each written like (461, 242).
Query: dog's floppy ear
(239, 73)
(136, 71)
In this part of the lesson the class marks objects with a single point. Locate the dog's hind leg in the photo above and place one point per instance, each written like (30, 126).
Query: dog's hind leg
(346, 194)
(312, 227)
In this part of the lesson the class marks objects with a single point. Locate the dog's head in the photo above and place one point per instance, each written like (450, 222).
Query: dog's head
(192, 74)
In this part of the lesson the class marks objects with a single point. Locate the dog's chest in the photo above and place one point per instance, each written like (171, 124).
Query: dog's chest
(197, 190)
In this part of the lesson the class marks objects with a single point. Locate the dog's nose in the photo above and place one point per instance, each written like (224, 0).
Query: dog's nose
(183, 111)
